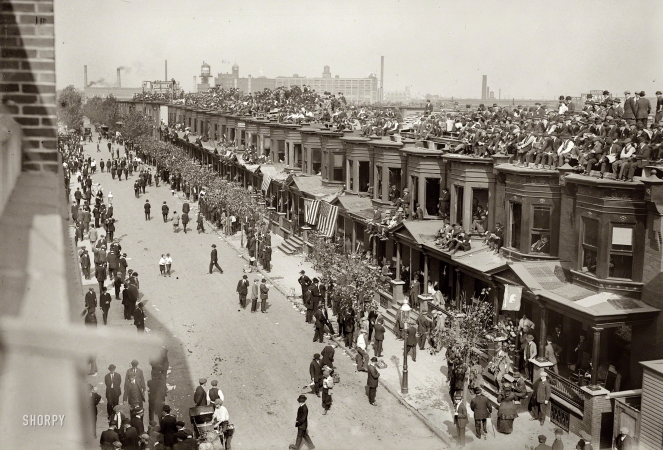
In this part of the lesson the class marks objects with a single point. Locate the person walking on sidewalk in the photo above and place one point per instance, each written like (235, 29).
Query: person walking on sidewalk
(162, 265)
(214, 260)
(460, 417)
(319, 324)
(482, 410)
(139, 317)
(185, 220)
(372, 381)
(147, 208)
(105, 303)
(264, 290)
(243, 290)
(361, 350)
(411, 342)
(327, 386)
(255, 293)
(164, 212)
(176, 222)
(302, 425)
(201, 223)
(169, 263)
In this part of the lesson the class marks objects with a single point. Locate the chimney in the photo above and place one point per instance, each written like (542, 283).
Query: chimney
(119, 80)
(166, 78)
(85, 76)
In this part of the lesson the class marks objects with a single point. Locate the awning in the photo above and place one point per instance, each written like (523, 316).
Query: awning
(418, 231)
(312, 185)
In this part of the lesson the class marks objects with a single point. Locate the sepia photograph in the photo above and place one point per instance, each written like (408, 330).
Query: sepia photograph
(332, 224)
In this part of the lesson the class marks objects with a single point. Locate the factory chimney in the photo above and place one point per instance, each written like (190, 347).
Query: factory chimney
(484, 87)
(84, 76)
(119, 81)
(381, 79)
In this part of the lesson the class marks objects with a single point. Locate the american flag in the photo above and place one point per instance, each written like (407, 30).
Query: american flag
(266, 179)
(311, 208)
(327, 222)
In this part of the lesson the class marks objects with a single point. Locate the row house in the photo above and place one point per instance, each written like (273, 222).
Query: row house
(586, 252)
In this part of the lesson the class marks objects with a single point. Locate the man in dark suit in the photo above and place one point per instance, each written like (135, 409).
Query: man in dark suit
(200, 396)
(315, 370)
(411, 342)
(243, 289)
(315, 294)
(113, 383)
(379, 336)
(307, 299)
(623, 441)
(137, 420)
(642, 109)
(423, 328)
(559, 343)
(129, 437)
(214, 260)
(91, 298)
(629, 108)
(319, 323)
(659, 107)
(302, 424)
(133, 394)
(104, 303)
(157, 394)
(372, 381)
(138, 375)
(94, 401)
(304, 281)
(482, 410)
(460, 417)
(168, 425)
(109, 436)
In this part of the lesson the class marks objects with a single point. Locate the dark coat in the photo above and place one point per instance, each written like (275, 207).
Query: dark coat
(200, 396)
(302, 418)
(315, 370)
(140, 378)
(168, 424)
(243, 286)
(107, 439)
(105, 301)
(327, 356)
(116, 391)
(263, 291)
(379, 332)
(373, 375)
(130, 441)
(133, 394)
(411, 336)
(481, 407)
(642, 108)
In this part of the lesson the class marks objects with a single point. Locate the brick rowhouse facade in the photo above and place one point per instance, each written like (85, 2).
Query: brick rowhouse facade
(28, 78)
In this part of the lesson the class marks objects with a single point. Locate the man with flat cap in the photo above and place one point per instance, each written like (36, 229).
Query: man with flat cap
(642, 109)
(215, 392)
(542, 443)
(200, 396)
(302, 425)
(214, 260)
(243, 289)
(113, 383)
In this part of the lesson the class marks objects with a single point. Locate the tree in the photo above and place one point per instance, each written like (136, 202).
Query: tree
(136, 126)
(70, 108)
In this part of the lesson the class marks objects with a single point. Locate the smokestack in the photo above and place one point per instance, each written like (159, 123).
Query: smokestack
(484, 87)
(85, 76)
(381, 78)
(195, 88)
(166, 78)
(119, 80)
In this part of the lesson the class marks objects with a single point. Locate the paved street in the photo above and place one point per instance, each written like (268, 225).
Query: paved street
(260, 360)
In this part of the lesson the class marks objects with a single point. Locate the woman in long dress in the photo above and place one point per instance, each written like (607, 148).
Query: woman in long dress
(507, 411)
(327, 386)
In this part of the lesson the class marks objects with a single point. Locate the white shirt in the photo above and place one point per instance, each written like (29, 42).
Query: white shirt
(361, 342)
(220, 414)
(563, 108)
(169, 260)
(162, 262)
(627, 152)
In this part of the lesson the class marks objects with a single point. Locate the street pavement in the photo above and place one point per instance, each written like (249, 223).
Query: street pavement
(260, 360)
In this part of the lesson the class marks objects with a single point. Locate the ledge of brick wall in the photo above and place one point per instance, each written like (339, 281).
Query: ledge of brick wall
(27, 78)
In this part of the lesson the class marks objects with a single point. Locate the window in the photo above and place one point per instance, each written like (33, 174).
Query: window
(325, 163)
(460, 196)
(621, 252)
(516, 210)
(590, 243)
(432, 196)
(338, 174)
(378, 182)
(316, 160)
(394, 184)
(351, 175)
(364, 175)
(540, 233)
(298, 155)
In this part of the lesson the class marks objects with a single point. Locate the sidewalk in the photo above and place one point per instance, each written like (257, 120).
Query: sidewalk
(428, 396)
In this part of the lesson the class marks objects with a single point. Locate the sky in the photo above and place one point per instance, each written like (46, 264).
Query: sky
(528, 49)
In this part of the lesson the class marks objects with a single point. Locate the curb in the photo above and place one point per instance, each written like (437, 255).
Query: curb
(351, 353)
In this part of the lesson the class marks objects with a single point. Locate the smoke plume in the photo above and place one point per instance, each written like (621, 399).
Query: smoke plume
(99, 81)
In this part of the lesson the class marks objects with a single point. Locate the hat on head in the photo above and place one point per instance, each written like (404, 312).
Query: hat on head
(315, 280)
(585, 436)
(659, 92)
(117, 444)
(144, 436)
(134, 362)
(214, 382)
(642, 93)
(301, 272)
(112, 423)
(116, 408)
(138, 411)
(245, 276)
(111, 367)
(218, 401)
(374, 359)
(544, 375)
(213, 245)
(623, 430)
(627, 92)
(166, 408)
(477, 390)
(301, 398)
(202, 380)
(559, 432)
(316, 356)
(542, 438)
(92, 289)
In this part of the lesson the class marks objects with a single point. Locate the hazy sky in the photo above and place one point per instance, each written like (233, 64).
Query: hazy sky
(530, 49)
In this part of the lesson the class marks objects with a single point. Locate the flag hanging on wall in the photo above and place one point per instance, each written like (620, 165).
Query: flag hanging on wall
(327, 220)
(311, 208)
(266, 179)
(512, 296)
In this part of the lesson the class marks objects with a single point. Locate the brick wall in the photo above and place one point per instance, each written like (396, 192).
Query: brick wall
(27, 78)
